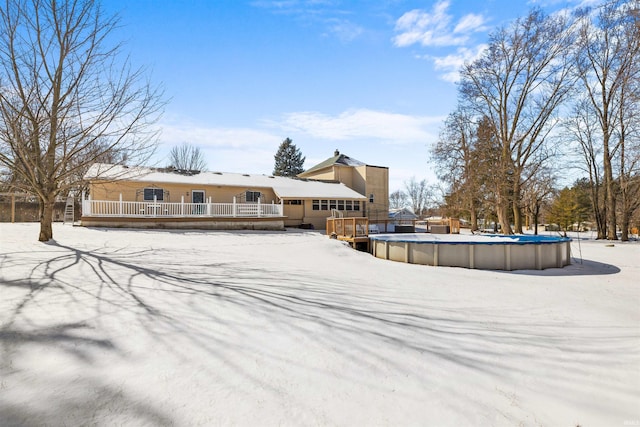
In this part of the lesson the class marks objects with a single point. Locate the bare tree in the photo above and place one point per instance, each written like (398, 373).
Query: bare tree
(398, 199)
(518, 84)
(607, 58)
(419, 195)
(537, 193)
(582, 127)
(629, 156)
(457, 161)
(67, 97)
(187, 157)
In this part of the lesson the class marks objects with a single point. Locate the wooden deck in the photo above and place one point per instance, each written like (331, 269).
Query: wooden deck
(355, 231)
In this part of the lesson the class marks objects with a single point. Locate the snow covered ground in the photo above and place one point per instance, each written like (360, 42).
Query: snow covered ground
(124, 327)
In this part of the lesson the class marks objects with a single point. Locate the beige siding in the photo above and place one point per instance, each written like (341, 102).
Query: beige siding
(133, 191)
(345, 175)
(327, 174)
(304, 214)
(377, 183)
(366, 180)
(294, 214)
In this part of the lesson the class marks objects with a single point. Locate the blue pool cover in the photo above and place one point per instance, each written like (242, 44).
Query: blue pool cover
(476, 239)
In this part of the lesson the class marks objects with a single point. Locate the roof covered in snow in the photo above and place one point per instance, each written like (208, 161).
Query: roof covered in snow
(337, 159)
(285, 188)
(403, 213)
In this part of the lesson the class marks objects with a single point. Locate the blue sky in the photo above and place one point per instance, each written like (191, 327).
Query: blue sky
(374, 79)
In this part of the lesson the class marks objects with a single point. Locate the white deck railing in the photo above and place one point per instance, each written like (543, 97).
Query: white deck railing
(159, 209)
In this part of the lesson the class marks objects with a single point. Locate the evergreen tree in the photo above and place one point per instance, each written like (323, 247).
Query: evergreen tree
(288, 159)
(568, 208)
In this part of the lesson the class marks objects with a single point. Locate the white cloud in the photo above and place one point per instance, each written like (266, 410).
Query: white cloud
(250, 160)
(380, 134)
(277, 5)
(470, 23)
(244, 150)
(451, 63)
(327, 14)
(210, 137)
(345, 30)
(434, 28)
(362, 124)
(576, 3)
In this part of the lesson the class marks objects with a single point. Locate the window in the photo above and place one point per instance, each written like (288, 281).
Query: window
(149, 194)
(252, 196)
(371, 198)
(342, 205)
(293, 202)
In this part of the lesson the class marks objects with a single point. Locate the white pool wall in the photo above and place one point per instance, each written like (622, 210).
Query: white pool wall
(486, 252)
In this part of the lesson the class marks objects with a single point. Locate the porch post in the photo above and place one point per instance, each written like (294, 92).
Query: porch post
(155, 203)
(282, 207)
(234, 206)
(120, 205)
(182, 205)
(259, 208)
(89, 206)
(209, 207)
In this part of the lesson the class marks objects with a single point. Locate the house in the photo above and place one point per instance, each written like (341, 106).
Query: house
(402, 214)
(371, 181)
(121, 196)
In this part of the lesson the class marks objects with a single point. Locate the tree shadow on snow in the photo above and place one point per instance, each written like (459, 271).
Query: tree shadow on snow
(83, 402)
(346, 319)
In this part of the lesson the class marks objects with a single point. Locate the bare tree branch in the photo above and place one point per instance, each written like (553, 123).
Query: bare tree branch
(67, 99)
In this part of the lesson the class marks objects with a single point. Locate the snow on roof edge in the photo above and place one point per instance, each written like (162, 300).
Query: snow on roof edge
(284, 187)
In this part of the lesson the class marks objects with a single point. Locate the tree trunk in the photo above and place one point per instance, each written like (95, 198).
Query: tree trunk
(474, 218)
(46, 220)
(624, 225)
(598, 212)
(610, 201)
(601, 225)
(503, 207)
(503, 216)
(536, 212)
(515, 204)
(517, 216)
(624, 220)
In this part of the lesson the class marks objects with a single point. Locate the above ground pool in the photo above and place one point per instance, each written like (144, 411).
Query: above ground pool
(486, 252)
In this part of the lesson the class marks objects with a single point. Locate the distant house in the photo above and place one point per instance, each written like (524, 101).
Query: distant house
(371, 181)
(402, 214)
(121, 196)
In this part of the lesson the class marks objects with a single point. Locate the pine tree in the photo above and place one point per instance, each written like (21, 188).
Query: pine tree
(288, 159)
(569, 207)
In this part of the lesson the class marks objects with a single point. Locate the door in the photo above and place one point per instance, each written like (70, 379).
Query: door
(197, 196)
